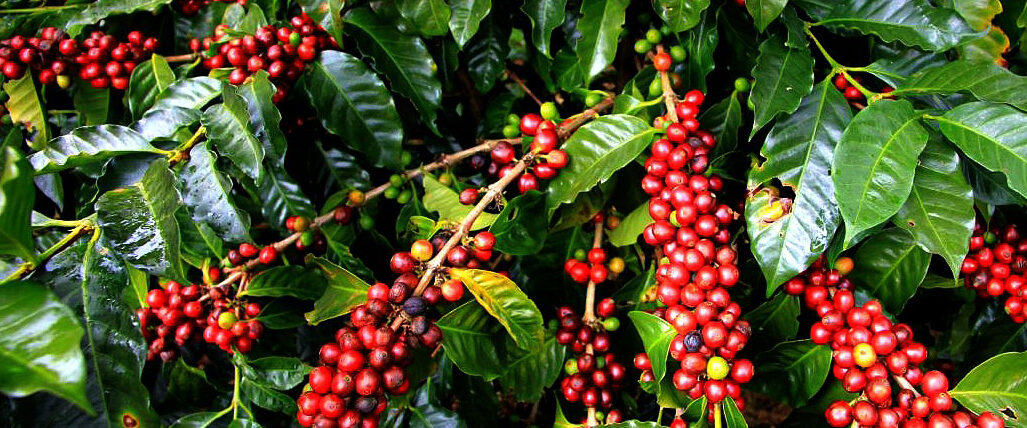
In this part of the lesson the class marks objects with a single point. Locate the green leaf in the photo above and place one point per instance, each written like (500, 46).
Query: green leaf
(39, 345)
(723, 119)
(208, 194)
(427, 413)
(116, 348)
(940, 209)
(192, 93)
(467, 340)
(528, 374)
(345, 291)
(545, 16)
(139, 222)
(764, 11)
(631, 226)
(700, 41)
(281, 197)
(984, 80)
(445, 201)
(197, 420)
(733, 417)
(403, 59)
(783, 76)
(798, 152)
(430, 17)
(92, 104)
(465, 17)
(164, 123)
(486, 55)
(278, 372)
(598, 150)
(95, 12)
(680, 15)
(996, 386)
(656, 335)
(228, 127)
(600, 26)
(521, 228)
(354, 104)
(874, 164)
(17, 196)
(282, 314)
(890, 266)
(26, 107)
(267, 397)
(149, 79)
(507, 304)
(993, 135)
(295, 281)
(327, 13)
(910, 22)
(264, 116)
(792, 371)
(774, 321)
(89, 144)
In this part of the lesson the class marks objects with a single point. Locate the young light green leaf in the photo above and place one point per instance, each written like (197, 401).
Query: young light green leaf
(345, 291)
(26, 107)
(631, 226)
(874, 164)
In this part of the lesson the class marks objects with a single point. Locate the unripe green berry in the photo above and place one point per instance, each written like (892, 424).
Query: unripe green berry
(513, 119)
(511, 131)
(391, 193)
(717, 368)
(366, 222)
(600, 362)
(665, 30)
(593, 98)
(295, 39)
(580, 255)
(678, 53)
(548, 111)
(396, 180)
(307, 238)
(226, 320)
(653, 36)
(611, 324)
(571, 367)
(742, 84)
(656, 88)
(642, 46)
(404, 196)
(405, 157)
(990, 238)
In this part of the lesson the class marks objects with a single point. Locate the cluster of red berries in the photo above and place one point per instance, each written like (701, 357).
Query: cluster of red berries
(869, 352)
(593, 374)
(545, 165)
(996, 266)
(176, 315)
(691, 228)
(283, 52)
(101, 59)
(367, 360)
(852, 93)
(592, 266)
(247, 251)
(191, 7)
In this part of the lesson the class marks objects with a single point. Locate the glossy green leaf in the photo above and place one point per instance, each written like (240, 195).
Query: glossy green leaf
(597, 150)
(467, 339)
(327, 13)
(17, 196)
(426, 412)
(117, 350)
(521, 228)
(993, 135)
(192, 93)
(940, 209)
(486, 55)
(25, 106)
(910, 22)
(998, 385)
(295, 281)
(984, 80)
(445, 201)
(631, 226)
(344, 169)
(874, 164)
(345, 291)
(505, 301)
(798, 153)
(267, 397)
(278, 372)
(354, 104)
(164, 123)
(764, 12)
(430, 17)
(403, 59)
(89, 144)
(792, 371)
(208, 194)
(528, 373)
(545, 16)
(700, 42)
(656, 336)
(600, 26)
(281, 197)
(774, 321)
(95, 12)
(680, 15)
(890, 266)
(228, 127)
(282, 314)
(139, 222)
(92, 104)
(197, 420)
(724, 119)
(149, 79)
(39, 345)
(465, 17)
(258, 93)
(733, 417)
(783, 77)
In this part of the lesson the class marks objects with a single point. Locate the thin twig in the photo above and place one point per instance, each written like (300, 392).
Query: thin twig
(28, 267)
(181, 58)
(513, 76)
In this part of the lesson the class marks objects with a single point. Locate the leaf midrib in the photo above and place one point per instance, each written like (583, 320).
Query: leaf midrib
(873, 168)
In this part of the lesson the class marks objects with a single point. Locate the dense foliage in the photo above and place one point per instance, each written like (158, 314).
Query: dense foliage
(681, 213)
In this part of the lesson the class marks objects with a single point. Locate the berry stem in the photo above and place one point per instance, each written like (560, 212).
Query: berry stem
(669, 97)
(589, 317)
(513, 76)
(181, 58)
(904, 383)
(181, 153)
(83, 228)
(235, 395)
(717, 419)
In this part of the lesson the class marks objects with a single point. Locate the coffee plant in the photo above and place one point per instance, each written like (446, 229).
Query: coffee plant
(468, 213)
